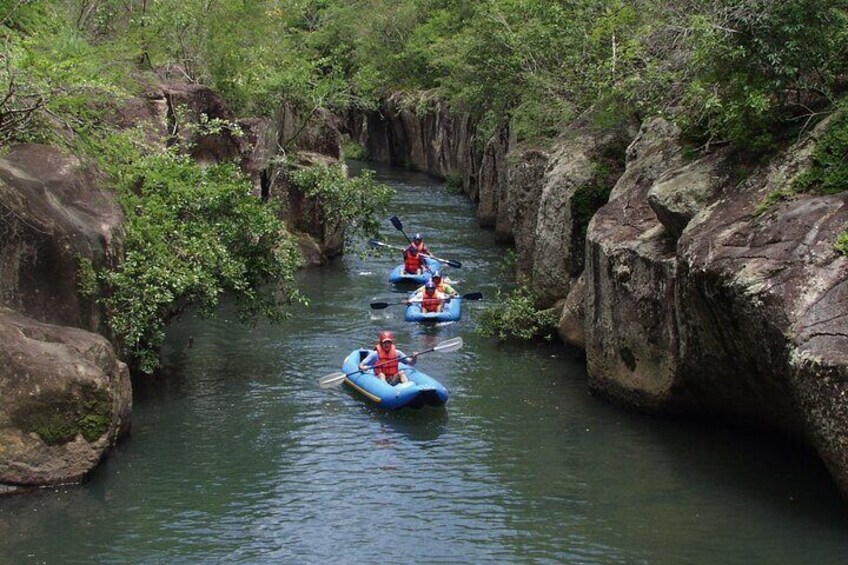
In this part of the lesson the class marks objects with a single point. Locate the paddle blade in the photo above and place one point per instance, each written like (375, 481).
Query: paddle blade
(374, 243)
(396, 223)
(331, 380)
(454, 264)
(379, 305)
(449, 345)
(473, 296)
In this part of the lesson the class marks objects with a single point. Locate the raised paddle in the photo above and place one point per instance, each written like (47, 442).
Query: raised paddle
(469, 296)
(449, 262)
(334, 379)
(399, 226)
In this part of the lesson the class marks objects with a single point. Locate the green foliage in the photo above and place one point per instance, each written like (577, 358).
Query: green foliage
(841, 244)
(355, 202)
(828, 173)
(193, 235)
(514, 316)
(86, 277)
(738, 71)
(353, 150)
(756, 65)
(453, 184)
(508, 265)
(771, 199)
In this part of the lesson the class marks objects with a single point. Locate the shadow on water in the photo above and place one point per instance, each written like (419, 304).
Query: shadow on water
(417, 425)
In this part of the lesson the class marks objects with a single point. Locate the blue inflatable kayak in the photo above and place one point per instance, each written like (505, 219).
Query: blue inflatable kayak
(450, 313)
(398, 276)
(421, 390)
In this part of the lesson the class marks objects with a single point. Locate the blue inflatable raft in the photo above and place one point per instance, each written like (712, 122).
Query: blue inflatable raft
(397, 276)
(421, 390)
(450, 313)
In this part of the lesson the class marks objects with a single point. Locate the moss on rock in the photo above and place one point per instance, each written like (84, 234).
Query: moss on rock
(57, 417)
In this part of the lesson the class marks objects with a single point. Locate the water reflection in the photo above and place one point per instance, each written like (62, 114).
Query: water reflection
(422, 425)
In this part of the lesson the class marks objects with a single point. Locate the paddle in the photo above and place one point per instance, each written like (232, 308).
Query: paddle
(383, 305)
(449, 262)
(334, 379)
(399, 226)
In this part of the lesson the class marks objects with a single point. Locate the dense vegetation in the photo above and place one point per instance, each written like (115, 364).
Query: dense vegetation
(743, 72)
(193, 233)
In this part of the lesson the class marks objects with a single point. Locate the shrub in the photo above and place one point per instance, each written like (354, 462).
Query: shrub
(828, 173)
(355, 201)
(514, 316)
(193, 235)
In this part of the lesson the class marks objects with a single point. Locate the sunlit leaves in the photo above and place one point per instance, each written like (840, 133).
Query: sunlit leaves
(193, 235)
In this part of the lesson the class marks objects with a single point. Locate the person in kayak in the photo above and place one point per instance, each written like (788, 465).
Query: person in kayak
(413, 262)
(418, 243)
(385, 360)
(441, 286)
(432, 300)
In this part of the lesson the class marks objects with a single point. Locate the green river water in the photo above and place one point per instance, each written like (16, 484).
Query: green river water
(237, 456)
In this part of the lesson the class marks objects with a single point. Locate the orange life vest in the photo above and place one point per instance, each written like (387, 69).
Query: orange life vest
(429, 303)
(388, 362)
(411, 263)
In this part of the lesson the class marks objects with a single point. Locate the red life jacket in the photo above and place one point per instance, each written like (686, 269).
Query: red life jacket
(411, 263)
(429, 303)
(388, 362)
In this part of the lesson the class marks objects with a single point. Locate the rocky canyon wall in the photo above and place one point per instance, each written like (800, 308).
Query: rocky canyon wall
(688, 296)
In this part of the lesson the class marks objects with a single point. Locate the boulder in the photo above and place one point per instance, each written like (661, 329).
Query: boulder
(65, 399)
(56, 213)
(192, 109)
(680, 194)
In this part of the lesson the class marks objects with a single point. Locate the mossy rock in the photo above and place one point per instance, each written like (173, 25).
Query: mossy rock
(57, 417)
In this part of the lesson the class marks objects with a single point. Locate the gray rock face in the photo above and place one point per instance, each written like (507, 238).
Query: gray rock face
(551, 269)
(765, 331)
(492, 180)
(689, 301)
(680, 194)
(526, 180)
(583, 169)
(744, 317)
(572, 324)
(64, 400)
(54, 212)
(427, 135)
(631, 325)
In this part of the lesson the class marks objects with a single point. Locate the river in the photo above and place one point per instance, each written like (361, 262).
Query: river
(236, 455)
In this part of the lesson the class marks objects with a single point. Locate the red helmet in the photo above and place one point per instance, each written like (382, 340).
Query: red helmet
(385, 336)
